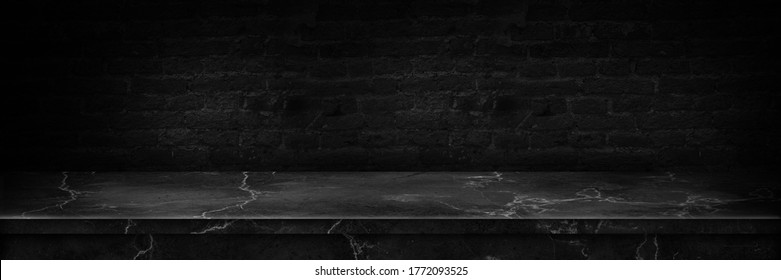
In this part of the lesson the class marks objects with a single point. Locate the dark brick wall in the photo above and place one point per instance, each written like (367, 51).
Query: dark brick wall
(390, 85)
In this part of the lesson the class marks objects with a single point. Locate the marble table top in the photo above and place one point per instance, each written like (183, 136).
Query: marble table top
(388, 195)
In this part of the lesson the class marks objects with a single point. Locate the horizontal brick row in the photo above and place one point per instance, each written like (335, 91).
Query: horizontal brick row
(397, 159)
(92, 72)
(421, 47)
(484, 139)
(541, 115)
(576, 10)
(220, 34)
(174, 93)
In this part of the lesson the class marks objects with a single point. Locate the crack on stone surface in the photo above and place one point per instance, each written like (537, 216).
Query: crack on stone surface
(537, 205)
(533, 205)
(224, 225)
(73, 195)
(149, 249)
(640, 247)
(451, 205)
(656, 244)
(409, 175)
(496, 177)
(357, 246)
(334, 226)
(697, 204)
(130, 223)
(253, 196)
(693, 204)
(561, 227)
(599, 225)
(478, 183)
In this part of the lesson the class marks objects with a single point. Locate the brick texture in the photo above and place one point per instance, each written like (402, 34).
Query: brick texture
(391, 85)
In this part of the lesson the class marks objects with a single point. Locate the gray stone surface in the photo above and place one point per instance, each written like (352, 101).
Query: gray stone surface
(388, 195)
